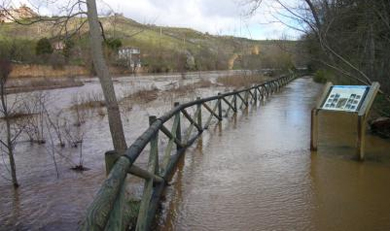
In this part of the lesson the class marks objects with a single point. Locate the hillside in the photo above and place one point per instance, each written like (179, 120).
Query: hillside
(162, 48)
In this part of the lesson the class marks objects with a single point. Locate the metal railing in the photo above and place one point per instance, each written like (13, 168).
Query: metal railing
(109, 209)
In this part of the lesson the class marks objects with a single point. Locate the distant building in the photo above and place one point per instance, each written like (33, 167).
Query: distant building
(58, 45)
(131, 55)
(11, 14)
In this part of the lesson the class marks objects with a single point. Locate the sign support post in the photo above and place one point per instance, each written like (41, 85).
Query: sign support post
(362, 119)
(314, 117)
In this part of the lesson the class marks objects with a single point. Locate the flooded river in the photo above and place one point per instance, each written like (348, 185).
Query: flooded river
(47, 202)
(256, 172)
(252, 172)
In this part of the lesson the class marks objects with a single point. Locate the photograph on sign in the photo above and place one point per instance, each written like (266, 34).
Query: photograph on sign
(345, 98)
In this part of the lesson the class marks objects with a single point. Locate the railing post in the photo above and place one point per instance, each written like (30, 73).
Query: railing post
(235, 103)
(110, 158)
(246, 98)
(142, 219)
(219, 107)
(266, 90)
(255, 95)
(154, 146)
(199, 108)
(178, 130)
(261, 92)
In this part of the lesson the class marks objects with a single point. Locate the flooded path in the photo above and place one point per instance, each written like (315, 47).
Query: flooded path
(256, 172)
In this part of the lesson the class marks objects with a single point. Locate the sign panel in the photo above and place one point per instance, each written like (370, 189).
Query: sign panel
(346, 98)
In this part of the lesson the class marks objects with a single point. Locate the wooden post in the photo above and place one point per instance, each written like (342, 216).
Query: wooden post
(235, 103)
(267, 90)
(314, 117)
(246, 98)
(261, 91)
(148, 187)
(178, 131)
(361, 129)
(110, 158)
(154, 146)
(199, 107)
(362, 119)
(314, 130)
(219, 108)
(255, 96)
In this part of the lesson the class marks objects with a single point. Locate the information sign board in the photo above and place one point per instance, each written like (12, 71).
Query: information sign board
(346, 98)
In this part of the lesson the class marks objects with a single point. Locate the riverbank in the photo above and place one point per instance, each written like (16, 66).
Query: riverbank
(22, 71)
(38, 84)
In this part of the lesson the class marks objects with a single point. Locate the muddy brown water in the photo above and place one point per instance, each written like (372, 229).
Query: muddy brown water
(252, 172)
(256, 172)
(45, 202)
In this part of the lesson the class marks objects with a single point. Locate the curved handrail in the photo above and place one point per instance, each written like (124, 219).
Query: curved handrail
(102, 214)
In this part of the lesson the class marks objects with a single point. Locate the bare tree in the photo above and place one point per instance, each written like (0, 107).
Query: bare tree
(6, 110)
(77, 9)
(114, 117)
(351, 37)
(34, 106)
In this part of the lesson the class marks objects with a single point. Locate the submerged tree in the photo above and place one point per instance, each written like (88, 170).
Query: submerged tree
(73, 10)
(6, 111)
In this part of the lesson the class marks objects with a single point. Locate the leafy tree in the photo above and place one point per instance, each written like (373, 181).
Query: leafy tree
(69, 44)
(113, 43)
(43, 47)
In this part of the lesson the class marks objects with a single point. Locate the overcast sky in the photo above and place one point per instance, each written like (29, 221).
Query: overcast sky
(223, 17)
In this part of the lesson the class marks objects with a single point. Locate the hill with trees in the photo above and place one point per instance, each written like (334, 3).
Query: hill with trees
(163, 49)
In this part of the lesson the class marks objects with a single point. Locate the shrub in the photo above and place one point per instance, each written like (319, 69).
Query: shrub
(320, 76)
(43, 47)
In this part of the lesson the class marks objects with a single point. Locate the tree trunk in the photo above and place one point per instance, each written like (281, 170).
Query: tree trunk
(101, 68)
(9, 143)
(11, 154)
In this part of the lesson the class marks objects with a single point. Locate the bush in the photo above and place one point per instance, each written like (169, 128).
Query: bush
(320, 76)
(43, 47)
(113, 43)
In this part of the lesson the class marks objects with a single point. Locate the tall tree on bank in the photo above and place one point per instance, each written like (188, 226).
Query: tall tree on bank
(350, 37)
(101, 68)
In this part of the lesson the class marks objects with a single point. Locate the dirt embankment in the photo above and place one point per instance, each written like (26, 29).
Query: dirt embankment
(32, 77)
(47, 71)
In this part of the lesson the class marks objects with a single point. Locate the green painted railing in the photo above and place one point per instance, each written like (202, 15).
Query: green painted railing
(110, 210)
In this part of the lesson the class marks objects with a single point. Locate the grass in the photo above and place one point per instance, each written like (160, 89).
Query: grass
(88, 101)
(143, 96)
